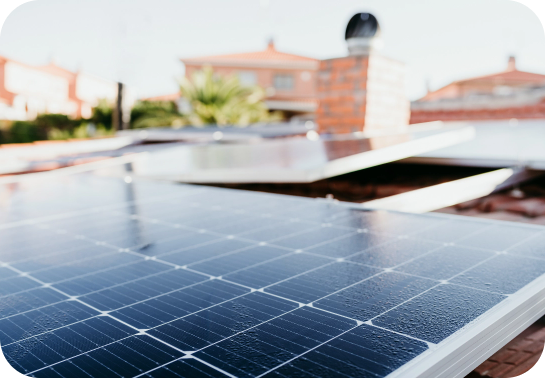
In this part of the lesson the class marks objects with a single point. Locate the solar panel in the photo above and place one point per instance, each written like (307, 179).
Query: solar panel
(520, 141)
(100, 278)
(288, 159)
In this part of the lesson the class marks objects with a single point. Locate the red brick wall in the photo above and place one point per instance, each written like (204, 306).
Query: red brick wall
(361, 93)
(521, 112)
(341, 87)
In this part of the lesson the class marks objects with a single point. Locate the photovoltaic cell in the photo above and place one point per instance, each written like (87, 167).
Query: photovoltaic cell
(108, 279)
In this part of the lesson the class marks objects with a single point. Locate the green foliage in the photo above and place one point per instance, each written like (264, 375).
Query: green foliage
(47, 122)
(103, 114)
(79, 132)
(24, 132)
(223, 101)
(155, 114)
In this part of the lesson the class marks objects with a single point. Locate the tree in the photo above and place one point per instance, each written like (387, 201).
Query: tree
(155, 113)
(223, 101)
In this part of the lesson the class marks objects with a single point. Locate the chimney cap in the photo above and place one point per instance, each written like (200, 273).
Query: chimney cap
(362, 25)
(511, 63)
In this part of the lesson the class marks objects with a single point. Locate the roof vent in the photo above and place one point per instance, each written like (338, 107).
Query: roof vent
(363, 34)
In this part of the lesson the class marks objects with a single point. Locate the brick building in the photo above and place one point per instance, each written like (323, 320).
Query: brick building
(504, 95)
(289, 80)
(26, 91)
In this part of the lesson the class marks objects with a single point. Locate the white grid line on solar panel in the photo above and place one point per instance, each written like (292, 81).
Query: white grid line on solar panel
(183, 296)
(210, 311)
(27, 299)
(400, 304)
(359, 322)
(174, 316)
(210, 365)
(355, 369)
(99, 312)
(142, 295)
(79, 355)
(109, 277)
(270, 322)
(314, 330)
(62, 258)
(126, 324)
(154, 355)
(20, 350)
(57, 316)
(329, 356)
(158, 260)
(68, 297)
(96, 209)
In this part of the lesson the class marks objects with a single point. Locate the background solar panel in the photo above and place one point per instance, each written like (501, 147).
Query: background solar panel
(101, 278)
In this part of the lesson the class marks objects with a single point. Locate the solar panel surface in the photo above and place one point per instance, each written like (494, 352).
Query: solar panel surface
(99, 278)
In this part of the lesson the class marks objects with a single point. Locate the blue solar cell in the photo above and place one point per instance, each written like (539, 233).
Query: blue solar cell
(498, 238)
(450, 231)
(42, 320)
(277, 270)
(52, 347)
(395, 253)
(166, 308)
(142, 289)
(318, 283)
(311, 238)
(365, 351)
(129, 357)
(516, 272)
(534, 247)
(28, 300)
(239, 260)
(185, 368)
(439, 312)
(264, 347)
(155, 269)
(375, 296)
(16, 285)
(277, 231)
(54, 258)
(349, 245)
(206, 251)
(110, 277)
(203, 328)
(446, 262)
(85, 266)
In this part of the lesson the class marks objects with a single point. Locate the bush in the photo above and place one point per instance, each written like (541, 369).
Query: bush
(155, 114)
(23, 132)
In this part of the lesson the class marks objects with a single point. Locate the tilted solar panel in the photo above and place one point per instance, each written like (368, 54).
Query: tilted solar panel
(101, 278)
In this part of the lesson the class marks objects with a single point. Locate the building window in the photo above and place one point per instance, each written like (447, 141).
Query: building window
(283, 82)
(247, 78)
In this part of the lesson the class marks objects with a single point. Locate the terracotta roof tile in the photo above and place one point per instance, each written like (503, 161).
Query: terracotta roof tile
(507, 76)
(269, 55)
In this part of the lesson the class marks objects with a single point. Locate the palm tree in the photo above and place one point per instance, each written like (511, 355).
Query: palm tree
(223, 101)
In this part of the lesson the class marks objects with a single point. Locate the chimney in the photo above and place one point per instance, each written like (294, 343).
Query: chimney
(270, 44)
(363, 91)
(511, 64)
(363, 34)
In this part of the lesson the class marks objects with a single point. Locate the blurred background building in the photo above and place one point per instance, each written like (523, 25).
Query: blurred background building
(27, 91)
(503, 95)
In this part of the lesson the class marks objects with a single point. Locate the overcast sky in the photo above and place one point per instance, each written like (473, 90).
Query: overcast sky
(140, 41)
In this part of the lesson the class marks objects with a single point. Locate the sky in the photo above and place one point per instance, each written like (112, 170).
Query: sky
(140, 42)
